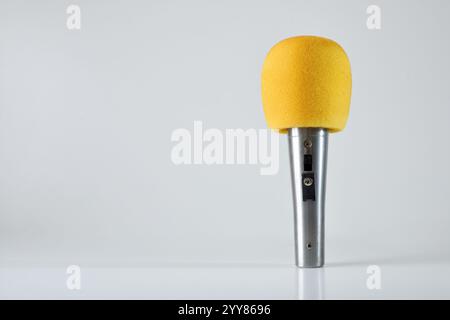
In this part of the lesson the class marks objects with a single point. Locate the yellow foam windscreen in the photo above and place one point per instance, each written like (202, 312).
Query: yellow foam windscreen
(306, 82)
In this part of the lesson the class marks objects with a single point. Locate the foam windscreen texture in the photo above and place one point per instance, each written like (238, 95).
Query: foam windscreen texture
(306, 82)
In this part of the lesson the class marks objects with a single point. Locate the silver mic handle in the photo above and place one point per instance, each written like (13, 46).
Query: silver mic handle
(308, 149)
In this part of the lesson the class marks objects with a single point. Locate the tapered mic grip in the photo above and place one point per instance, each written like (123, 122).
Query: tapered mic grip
(308, 150)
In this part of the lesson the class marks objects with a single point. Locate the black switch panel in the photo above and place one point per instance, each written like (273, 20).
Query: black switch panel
(307, 162)
(309, 186)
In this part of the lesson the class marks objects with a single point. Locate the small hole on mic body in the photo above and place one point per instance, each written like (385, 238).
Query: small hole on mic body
(307, 143)
(309, 245)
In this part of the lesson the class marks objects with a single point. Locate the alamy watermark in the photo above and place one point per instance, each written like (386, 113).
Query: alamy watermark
(73, 281)
(74, 17)
(374, 19)
(373, 281)
(226, 147)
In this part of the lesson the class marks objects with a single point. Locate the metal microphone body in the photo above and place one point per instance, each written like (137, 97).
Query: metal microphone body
(308, 148)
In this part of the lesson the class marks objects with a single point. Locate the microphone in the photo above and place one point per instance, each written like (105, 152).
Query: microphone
(306, 89)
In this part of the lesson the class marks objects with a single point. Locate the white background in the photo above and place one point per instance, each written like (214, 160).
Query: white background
(86, 176)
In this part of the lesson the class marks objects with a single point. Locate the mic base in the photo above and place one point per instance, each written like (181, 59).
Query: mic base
(308, 148)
